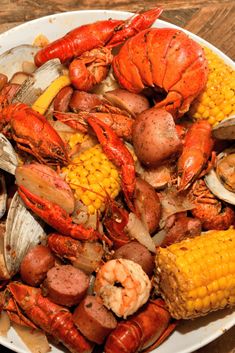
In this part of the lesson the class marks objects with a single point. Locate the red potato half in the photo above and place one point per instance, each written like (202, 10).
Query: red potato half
(148, 204)
(155, 138)
(131, 102)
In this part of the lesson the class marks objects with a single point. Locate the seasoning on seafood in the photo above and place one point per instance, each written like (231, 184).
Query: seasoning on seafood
(118, 153)
(196, 152)
(95, 35)
(57, 217)
(148, 328)
(165, 58)
(52, 318)
(84, 255)
(123, 286)
(33, 134)
(212, 213)
(196, 276)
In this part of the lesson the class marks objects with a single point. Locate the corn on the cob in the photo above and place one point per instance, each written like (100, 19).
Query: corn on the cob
(197, 275)
(93, 178)
(217, 101)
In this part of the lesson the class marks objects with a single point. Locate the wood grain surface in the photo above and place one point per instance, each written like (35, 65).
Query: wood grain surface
(212, 20)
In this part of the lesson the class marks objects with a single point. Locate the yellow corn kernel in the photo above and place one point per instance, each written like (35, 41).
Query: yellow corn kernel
(94, 178)
(42, 103)
(193, 288)
(217, 101)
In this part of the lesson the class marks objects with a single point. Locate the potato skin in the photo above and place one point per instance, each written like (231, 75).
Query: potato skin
(138, 253)
(35, 264)
(147, 201)
(131, 102)
(155, 138)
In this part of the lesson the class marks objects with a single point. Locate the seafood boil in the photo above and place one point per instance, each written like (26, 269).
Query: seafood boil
(117, 203)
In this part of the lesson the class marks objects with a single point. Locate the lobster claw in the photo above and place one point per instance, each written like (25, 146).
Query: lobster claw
(56, 217)
(117, 153)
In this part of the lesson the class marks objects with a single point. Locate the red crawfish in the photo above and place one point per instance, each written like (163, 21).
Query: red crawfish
(164, 58)
(119, 154)
(48, 316)
(91, 46)
(95, 35)
(196, 152)
(33, 134)
(57, 217)
(146, 329)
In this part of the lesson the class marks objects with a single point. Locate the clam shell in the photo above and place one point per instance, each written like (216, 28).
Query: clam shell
(23, 230)
(8, 157)
(3, 195)
(33, 87)
(11, 61)
(225, 130)
(217, 188)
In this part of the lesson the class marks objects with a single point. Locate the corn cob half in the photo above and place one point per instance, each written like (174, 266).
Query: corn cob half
(93, 178)
(197, 275)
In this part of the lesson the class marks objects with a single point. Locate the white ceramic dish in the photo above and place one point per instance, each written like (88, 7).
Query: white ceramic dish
(189, 335)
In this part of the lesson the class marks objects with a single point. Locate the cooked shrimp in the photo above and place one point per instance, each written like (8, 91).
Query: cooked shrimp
(123, 286)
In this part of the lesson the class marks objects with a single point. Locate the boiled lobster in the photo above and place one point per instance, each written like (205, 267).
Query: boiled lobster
(48, 316)
(146, 329)
(33, 134)
(196, 152)
(165, 58)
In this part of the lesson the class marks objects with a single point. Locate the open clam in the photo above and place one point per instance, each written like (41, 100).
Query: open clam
(221, 179)
(225, 130)
(23, 230)
(8, 156)
(13, 59)
(35, 84)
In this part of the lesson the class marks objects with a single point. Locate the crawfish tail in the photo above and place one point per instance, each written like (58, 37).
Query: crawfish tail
(78, 41)
(50, 317)
(196, 152)
(61, 244)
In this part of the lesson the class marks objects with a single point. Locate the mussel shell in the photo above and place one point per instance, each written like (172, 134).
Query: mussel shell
(8, 157)
(23, 230)
(11, 61)
(225, 130)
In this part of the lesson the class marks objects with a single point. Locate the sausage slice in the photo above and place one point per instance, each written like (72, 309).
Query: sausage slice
(66, 285)
(93, 319)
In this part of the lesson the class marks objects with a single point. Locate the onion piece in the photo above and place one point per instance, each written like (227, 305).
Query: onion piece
(35, 340)
(137, 230)
(90, 257)
(19, 77)
(159, 237)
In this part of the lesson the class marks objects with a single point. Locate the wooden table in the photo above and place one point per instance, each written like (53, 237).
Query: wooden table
(213, 20)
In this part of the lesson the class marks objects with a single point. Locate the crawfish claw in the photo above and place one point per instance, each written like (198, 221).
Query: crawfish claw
(56, 217)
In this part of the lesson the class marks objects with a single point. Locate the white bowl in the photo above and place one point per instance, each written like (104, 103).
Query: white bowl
(192, 334)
